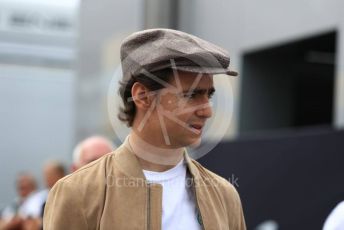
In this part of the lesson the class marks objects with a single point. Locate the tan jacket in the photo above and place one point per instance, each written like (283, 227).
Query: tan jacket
(112, 193)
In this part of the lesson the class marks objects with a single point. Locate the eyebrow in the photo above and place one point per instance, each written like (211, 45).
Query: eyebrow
(201, 91)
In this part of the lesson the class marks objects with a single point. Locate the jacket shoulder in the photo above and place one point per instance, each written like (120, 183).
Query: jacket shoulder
(76, 201)
(85, 174)
(89, 179)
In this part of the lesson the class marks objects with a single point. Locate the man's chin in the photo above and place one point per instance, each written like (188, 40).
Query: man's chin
(196, 143)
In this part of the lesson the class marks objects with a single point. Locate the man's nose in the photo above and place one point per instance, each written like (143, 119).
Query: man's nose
(204, 110)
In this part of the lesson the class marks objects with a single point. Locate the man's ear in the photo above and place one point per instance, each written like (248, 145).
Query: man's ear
(141, 95)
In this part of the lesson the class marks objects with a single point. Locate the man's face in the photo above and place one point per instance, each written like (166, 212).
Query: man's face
(25, 185)
(51, 175)
(183, 108)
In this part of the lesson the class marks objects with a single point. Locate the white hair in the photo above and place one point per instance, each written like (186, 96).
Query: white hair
(79, 148)
(77, 154)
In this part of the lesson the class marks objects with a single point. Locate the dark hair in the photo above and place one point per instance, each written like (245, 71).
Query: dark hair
(128, 112)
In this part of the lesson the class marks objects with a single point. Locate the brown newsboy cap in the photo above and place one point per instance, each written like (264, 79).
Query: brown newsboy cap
(156, 49)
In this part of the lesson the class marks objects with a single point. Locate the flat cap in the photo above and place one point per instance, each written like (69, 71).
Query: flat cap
(156, 49)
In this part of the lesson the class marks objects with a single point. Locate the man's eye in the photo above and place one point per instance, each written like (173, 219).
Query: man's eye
(190, 95)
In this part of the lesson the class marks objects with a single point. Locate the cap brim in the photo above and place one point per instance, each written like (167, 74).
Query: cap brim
(206, 70)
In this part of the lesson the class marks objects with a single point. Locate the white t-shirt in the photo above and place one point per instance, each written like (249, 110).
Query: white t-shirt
(33, 206)
(178, 203)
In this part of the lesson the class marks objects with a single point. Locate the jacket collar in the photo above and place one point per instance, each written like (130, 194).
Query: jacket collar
(128, 163)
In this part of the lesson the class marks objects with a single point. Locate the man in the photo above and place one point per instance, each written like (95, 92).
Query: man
(11, 216)
(89, 150)
(34, 206)
(52, 172)
(150, 182)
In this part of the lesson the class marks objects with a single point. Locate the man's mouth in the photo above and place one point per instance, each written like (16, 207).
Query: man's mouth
(197, 128)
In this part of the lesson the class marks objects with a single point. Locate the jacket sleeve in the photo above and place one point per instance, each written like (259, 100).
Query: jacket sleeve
(241, 220)
(63, 209)
(234, 208)
(235, 213)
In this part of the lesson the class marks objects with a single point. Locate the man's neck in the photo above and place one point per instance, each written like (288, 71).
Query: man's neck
(153, 158)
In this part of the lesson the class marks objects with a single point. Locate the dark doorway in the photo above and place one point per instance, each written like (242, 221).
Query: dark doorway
(290, 85)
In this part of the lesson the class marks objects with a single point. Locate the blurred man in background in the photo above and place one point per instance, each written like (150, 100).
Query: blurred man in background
(10, 217)
(33, 208)
(53, 171)
(89, 150)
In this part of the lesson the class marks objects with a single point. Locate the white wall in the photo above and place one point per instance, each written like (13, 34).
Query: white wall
(37, 122)
(45, 110)
(102, 29)
(37, 81)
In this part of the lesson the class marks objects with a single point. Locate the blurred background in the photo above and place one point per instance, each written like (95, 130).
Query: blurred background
(285, 144)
